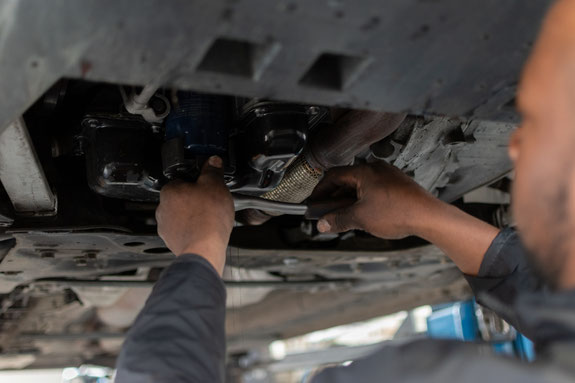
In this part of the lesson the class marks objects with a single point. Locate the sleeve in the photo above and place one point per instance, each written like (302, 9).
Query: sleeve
(504, 273)
(439, 361)
(179, 336)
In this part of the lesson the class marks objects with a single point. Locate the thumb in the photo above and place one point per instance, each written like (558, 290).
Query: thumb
(213, 169)
(338, 221)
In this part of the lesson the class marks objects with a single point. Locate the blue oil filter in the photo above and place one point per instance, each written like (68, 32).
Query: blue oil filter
(201, 122)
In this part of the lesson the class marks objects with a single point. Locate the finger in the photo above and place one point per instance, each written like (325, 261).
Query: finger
(335, 179)
(339, 221)
(213, 170)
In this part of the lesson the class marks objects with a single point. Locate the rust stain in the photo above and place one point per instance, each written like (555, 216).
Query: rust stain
(85, 67)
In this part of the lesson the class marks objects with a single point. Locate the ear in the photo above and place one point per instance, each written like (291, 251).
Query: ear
(570, 186)
(514, 144)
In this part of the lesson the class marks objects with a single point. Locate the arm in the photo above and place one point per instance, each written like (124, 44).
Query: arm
(180, 334)
(391, 205)
(464, 238)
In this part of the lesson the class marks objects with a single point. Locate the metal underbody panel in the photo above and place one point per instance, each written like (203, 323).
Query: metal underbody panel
(356, 284)
(448, 57)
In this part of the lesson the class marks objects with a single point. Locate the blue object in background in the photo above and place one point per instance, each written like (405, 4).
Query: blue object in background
(524, 348)
(520, 347)
(453, 321)
(459, 321)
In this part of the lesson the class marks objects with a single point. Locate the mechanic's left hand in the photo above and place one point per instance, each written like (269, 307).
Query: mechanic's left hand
(198, 217)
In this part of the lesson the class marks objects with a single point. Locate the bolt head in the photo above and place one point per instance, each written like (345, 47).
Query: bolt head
(290, 261)
(313, 110)
(92, 123)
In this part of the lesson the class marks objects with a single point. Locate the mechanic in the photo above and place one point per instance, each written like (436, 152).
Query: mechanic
(179, 335)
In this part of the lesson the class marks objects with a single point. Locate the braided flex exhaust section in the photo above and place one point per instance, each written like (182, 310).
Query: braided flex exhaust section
(297, 184)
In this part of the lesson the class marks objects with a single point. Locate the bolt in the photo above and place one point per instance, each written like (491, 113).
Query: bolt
(259, 112)
(313, 110)
(290, 261)
(158, 105)
(47, 254)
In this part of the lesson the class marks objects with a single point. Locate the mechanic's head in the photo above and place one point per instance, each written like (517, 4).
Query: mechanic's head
(543, 149)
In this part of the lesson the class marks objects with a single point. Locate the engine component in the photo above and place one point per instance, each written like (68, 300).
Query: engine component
(151, 106)
(295, 187)
(258, 140)
(352, 134)
(196, 129)
(330, 146)
(21, 173)
(297, 184)
(271, 135)
(122, 158)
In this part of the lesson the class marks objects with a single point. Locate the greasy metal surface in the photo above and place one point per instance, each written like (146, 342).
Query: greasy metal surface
(449, 156)
(437, 57)
(318, 288)
(35, 255)
(350, 135)
(127, 284)
(480, 163)
(384, 268)
(78, 255)
(21, 172)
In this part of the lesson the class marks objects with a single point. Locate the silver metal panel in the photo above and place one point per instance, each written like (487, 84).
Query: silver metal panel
(21, 172)
(450, 57)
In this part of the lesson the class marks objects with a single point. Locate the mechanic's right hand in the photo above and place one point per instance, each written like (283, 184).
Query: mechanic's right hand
(389, 203)
(198, 217)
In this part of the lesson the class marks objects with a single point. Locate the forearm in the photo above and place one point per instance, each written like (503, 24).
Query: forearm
(391, 205)
(463, 238)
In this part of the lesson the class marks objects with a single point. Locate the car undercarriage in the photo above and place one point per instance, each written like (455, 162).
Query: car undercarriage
(121, 97)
